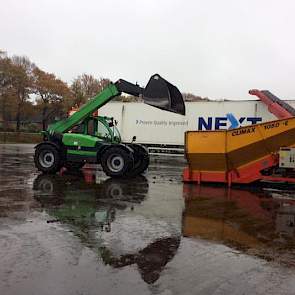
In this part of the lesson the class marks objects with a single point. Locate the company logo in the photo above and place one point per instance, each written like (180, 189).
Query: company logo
(228, 122)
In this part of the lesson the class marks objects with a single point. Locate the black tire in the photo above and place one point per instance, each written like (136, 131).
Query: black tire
(116, 162)
(47, 159)
(74, 166)
(113, 189)
(49, 190)
(125, 189)
(45, 183)
(141, 160)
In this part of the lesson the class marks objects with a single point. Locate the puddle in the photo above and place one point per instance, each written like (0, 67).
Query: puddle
(83, 233)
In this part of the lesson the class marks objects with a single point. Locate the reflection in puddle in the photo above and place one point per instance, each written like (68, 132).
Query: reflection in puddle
(78, 199)
(91, 208)
(97, 227)
(258, 223)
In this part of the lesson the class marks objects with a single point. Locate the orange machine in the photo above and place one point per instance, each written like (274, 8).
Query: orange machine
(248, 154)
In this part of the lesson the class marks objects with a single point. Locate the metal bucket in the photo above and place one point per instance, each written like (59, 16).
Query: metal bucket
(161, 94)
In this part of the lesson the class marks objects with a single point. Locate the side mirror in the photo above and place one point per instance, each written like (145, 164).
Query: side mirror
(112, 123)
(133, 138)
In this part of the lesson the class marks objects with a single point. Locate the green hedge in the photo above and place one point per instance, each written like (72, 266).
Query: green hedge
(20, 137)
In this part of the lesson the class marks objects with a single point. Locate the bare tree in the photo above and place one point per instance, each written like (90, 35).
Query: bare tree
(86, 86)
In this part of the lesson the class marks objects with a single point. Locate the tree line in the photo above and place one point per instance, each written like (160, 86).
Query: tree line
(30, 96)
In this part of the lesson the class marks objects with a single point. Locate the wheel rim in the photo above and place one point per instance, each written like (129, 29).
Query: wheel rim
(115, 191)
(46, 186)
(115, 163)
(46, 159)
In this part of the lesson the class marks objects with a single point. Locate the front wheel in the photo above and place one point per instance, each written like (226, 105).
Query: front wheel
(116, 162)
(47, 159)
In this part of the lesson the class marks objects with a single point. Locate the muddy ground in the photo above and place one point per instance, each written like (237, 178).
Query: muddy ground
(86, 234)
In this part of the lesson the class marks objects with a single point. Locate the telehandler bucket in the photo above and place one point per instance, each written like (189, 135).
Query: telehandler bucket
(158, 93)
(161, 94)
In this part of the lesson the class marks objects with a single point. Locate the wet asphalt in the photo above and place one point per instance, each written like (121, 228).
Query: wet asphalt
(84, 233)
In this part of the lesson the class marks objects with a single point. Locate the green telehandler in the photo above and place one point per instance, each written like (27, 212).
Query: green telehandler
(84, 138)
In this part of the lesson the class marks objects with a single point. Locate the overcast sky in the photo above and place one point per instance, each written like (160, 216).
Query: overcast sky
(213, 48)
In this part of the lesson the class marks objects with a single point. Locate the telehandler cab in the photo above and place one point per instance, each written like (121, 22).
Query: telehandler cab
(84, 138)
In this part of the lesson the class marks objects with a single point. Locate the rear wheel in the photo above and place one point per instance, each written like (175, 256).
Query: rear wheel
(141, 160)
(47, 159)
(116, 162)
(44, 183)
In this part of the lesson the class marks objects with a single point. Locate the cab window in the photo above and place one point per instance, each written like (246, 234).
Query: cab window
(77, 129)
(102, 130)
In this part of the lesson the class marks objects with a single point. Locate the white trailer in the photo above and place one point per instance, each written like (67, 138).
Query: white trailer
(155, 127)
